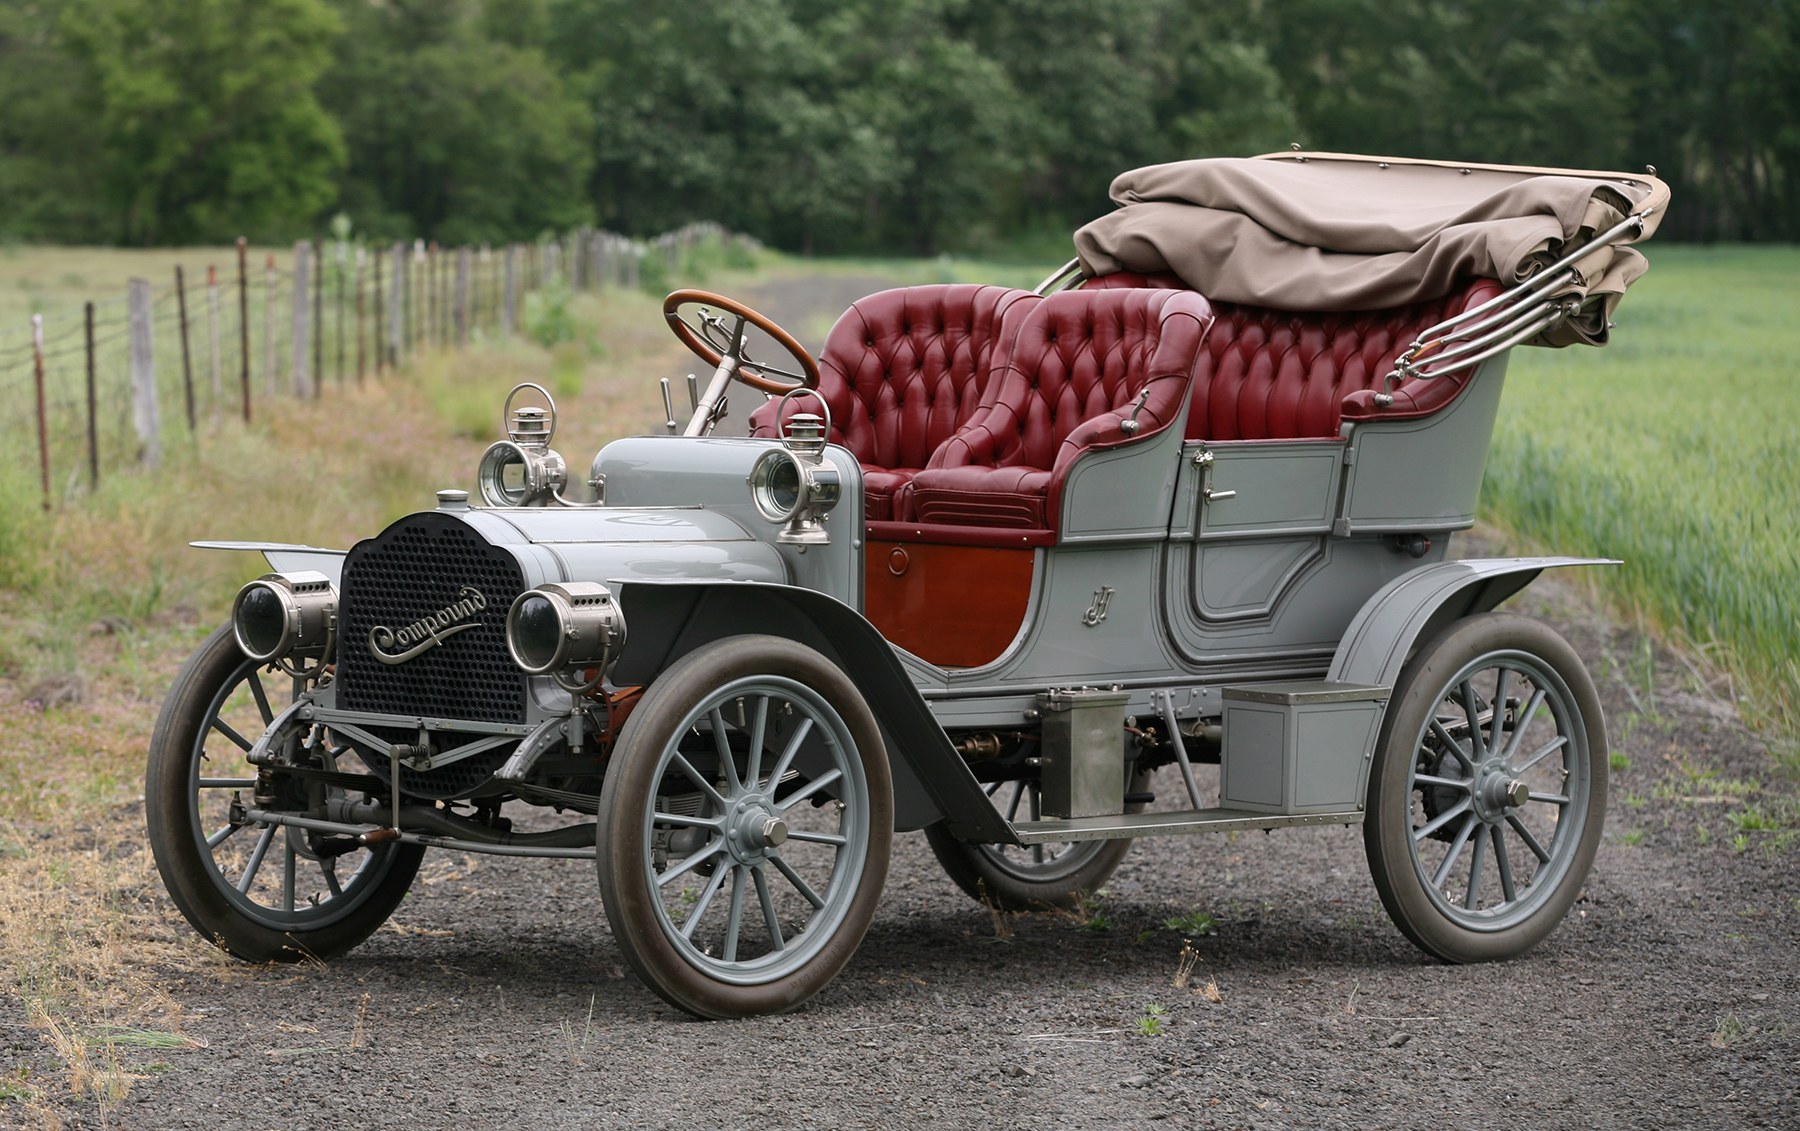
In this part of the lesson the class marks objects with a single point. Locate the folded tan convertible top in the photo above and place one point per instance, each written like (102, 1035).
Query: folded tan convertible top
(1334, 231)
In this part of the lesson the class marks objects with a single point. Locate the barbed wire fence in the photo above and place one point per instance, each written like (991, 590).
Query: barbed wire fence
(100, 388)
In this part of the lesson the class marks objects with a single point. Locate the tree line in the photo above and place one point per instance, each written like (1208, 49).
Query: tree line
(907, 126)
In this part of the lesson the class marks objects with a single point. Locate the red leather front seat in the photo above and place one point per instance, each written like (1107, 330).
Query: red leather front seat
(1080, 363)
(902, 370)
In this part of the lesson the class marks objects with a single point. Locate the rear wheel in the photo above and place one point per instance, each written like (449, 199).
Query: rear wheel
(747, 817)
(1488, 790)
(263, 892)
(1033, 877)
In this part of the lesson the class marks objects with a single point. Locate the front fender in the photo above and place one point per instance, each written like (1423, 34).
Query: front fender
(668, 619)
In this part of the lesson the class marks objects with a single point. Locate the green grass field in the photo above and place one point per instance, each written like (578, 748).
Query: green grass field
(1677, 449)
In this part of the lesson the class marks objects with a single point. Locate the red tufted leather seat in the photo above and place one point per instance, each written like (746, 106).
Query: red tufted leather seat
(902, 370)
(1077, 367)
(1280, 375)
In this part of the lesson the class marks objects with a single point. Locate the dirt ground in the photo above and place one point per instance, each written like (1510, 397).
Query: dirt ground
(496, 996)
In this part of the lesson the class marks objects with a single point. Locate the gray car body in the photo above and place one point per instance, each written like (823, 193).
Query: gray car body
(1182, 569)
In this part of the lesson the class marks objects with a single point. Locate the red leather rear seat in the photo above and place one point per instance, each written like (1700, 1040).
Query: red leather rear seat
(1281, 375)
(902, 370)
(1077, 367)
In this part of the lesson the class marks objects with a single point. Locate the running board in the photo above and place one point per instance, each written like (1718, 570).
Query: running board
(1131, 825)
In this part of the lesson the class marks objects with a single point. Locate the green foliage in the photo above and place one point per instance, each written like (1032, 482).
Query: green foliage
(204, 115)
(1193, 924)
(1151, 1023)
(546, 316)
(844, 125)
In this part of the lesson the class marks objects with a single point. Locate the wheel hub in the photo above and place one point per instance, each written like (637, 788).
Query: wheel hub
(752, 828)
(1499, 793)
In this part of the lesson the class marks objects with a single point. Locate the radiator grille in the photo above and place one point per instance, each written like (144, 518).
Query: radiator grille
(413, 570)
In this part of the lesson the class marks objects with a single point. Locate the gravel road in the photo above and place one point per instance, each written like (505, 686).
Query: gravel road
(497, 997)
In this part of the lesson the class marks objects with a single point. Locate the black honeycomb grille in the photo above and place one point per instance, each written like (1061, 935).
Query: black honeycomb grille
(414, 569)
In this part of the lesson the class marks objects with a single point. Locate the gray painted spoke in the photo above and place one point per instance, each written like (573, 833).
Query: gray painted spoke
(1499, 719)
(787, 755)
(687, 770)
(328, 869)
(256, 859)
(768, 908)
(713, 884)
(1442, 819)
(219, 837)
(758, 730)
(262, 698)
(685, 821)
(1526, 714)
(1477, 746)
(734, 919)
(1552, 798)
(1525, 835)
(1505, 864)
(225, 729)
(1550, 748)
(793, 877)
(1474, 897)
(712, 848)
(1451, 746)
(1456, 847)
(837, 840)
(809, 789)
(1463, 784)
(1012, 807)
(1037, 854)
(287, 876)
(722, 746)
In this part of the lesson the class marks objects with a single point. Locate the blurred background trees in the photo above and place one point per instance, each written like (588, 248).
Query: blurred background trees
(900, 126)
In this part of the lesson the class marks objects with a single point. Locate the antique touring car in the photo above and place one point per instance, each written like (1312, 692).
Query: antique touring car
(982, 568)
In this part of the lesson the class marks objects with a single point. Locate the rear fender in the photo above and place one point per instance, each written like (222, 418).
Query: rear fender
(1417, 606)
(668, 619)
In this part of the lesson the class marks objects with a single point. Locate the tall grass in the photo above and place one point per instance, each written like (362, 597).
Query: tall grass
(1677, 448)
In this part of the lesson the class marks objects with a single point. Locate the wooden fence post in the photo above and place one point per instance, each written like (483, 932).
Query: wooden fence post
(359, 316)
(340, 311)
(396, 304)
(144, 415)
(509, 302)
(270, 378)
(43, 423)
(93, 427)
(318, 321)
(212, 329)
(243, 251)
(379, 341)
(463, 255)
(302, 284)
(187, 364)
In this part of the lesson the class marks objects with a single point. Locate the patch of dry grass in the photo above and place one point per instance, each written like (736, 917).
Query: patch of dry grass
(103, 599)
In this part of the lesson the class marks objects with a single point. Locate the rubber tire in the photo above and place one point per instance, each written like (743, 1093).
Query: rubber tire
(187, 869)
(1387, 827)
(630, 784)
(976, 874)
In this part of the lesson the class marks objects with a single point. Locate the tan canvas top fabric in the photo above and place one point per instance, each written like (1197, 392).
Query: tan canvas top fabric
(1328, 231)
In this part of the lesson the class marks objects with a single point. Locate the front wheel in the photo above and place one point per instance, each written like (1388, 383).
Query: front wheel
(1488, 789)
(262, 892)
(747, 816)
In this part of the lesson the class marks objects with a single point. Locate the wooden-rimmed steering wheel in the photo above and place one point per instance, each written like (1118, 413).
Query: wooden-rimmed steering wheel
(711, 337)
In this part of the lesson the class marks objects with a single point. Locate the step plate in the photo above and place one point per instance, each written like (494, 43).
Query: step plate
(1184, 822)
